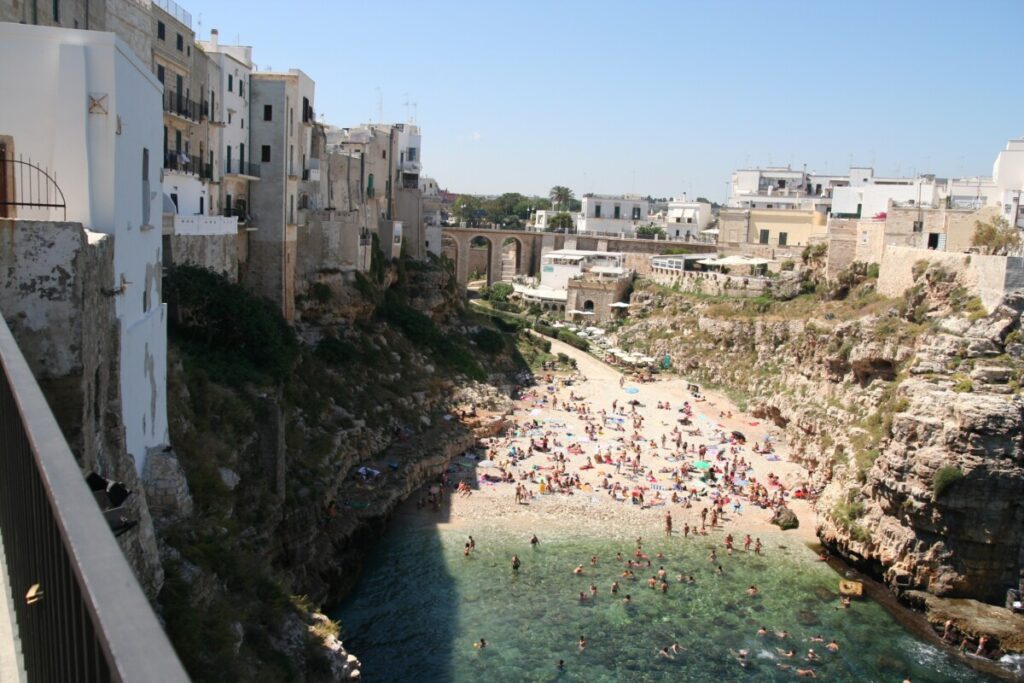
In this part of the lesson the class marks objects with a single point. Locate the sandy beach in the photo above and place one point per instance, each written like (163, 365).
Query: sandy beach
(590, 508)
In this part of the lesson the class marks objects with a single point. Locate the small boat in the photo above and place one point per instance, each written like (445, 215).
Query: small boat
(851, 588)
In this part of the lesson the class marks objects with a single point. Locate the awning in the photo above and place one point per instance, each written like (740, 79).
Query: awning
(619, 304)
(169, 205)
(710, 231)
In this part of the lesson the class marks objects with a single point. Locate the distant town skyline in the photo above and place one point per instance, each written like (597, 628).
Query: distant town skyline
(654, 98)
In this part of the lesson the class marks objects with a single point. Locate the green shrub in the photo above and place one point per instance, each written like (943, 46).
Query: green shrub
(873, 271)
(337, 352)
(788, 264)
(227, 328)
(962, 384)
(574, 340)
(943, 479)
(320, 292)
(500, 291)
(489, 341)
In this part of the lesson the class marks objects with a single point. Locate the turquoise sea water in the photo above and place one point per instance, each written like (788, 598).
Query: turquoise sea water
(421, 605)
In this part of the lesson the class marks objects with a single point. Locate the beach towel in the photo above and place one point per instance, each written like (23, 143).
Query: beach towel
(772, 457)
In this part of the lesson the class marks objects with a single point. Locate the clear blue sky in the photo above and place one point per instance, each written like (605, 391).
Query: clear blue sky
(656, 98)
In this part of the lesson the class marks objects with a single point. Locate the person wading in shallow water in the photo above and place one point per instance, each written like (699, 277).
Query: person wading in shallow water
(668, 523)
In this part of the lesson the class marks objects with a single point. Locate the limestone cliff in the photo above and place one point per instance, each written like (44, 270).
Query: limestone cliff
(906, 412)
(270, 516)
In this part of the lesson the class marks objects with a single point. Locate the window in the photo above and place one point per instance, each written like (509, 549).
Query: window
(161, 30)
(241, 155)
(782, 184)
(769, 206)
(412, 154)
(636, 213)
(177, 141)
(243, 124)
(230, 116)
(228, 158)
(202, 207)
(265, 154)
(597, 210)
(145, 186)
(783, 238)
(383, 154)
(56, 12)
(689, 219)
(241, 88)
(160, 72)
(180, 43)
(763, 237)
(188, 50)
(231, 83)
(617, 211)
(268, 112)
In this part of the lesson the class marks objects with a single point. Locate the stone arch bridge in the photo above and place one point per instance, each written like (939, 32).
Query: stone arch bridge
(529, 246)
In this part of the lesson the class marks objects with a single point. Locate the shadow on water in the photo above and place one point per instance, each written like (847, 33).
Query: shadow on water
(403, 613)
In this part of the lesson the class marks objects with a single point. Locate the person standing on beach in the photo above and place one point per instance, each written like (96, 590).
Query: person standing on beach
(668, 523)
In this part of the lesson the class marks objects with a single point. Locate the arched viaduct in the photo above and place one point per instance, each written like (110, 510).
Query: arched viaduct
(532, 245)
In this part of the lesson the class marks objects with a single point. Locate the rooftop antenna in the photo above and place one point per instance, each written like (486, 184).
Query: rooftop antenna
(199, 24)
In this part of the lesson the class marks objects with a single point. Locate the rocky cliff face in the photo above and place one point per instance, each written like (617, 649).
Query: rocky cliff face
(906, 412)
(265, 514)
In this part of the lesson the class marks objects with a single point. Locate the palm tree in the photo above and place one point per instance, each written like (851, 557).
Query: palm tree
(560, 196)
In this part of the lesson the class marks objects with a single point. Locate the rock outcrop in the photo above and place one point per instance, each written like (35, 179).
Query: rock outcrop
(907, 414)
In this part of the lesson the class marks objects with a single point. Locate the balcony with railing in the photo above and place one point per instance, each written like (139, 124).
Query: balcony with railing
(244, 169)
(179, 105)
(175, 10)
(78, 612)
(182, 163)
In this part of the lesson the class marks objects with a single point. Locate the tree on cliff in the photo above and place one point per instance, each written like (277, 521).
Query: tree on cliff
(996, 236)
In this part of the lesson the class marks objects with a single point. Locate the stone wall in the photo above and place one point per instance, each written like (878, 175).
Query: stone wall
(714, 284)
(55, 295)
(329, 243)
(602, 293)
(988, 277)
(218, 253)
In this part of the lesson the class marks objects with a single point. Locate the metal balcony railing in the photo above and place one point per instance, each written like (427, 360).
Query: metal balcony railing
(175, 10)
(80, 613)
(242, 168)
(179, 161)
(177, 103)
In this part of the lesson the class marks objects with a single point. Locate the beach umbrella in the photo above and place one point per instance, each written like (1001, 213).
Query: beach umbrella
(702, 464)
(632, 390)
(739, 436)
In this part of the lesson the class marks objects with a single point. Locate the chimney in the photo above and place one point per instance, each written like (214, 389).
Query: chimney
(213, 40)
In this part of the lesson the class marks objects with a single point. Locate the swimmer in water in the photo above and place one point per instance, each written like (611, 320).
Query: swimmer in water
(812, 656)
(481, 645)
(832, 646)
(561, 665)
(806, 673)
(515, 563)
(675, 648)
(583, 643)
(593, 560)
(593, 590)
(817, 639)
(663, 652)
(762, 631)
(628, 599)
(534, 541)
(583, 596)
(578, 570)
(790, 653)
(752, 591)
(782, 634)
(615, 587)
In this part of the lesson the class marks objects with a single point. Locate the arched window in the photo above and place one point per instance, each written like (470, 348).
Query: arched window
(588, 305)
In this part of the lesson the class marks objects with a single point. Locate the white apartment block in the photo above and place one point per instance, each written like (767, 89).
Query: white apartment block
(614, 214)
(685, 219)
(82, 106)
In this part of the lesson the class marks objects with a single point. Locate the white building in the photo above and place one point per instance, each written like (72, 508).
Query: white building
(559, 266)
(233, 159)
(614, 214)
(686, 219)
(432, 218)
(867, 196)
(81, 105)
(779, 188)
(542, 218)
